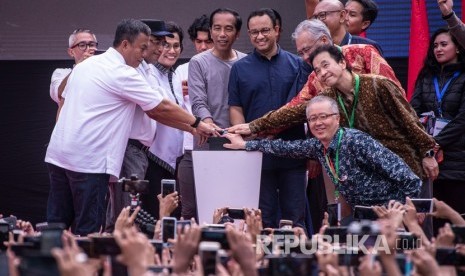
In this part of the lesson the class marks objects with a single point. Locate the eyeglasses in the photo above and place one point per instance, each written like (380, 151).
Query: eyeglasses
(255, 33)
(307, 50)
(321, 117)
(83, 45)
(322, 15)
(168, 46)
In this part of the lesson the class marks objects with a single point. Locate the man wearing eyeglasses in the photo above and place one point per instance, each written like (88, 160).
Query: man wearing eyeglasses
(82, 44)
(333, 14)
(266, 78)
(166, 146)
(364, 171)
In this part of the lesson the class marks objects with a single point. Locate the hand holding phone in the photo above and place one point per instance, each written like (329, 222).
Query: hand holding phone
(168, 228)
(168, 186)
(208, 252)
(364, 213)
(423, 205)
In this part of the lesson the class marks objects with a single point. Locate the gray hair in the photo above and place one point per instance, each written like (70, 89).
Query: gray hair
(314, 27)
(72, 37)
(320, 99)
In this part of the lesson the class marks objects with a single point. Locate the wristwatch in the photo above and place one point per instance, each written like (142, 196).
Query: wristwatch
(429, 153)
(197, 122)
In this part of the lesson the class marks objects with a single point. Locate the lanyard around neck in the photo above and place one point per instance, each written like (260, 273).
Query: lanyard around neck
(334, 168)
(354, 106)
(440, 93)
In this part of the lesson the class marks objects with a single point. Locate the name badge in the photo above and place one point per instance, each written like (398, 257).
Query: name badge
(439, 125)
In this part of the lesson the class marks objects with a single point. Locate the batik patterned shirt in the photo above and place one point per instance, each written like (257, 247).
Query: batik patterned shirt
(362, 58)
(369, 173)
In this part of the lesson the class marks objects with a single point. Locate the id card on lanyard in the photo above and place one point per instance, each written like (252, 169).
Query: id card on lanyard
(440, 93)
(439, 125)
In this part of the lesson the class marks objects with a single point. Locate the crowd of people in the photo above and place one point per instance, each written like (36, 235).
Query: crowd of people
(333, 123)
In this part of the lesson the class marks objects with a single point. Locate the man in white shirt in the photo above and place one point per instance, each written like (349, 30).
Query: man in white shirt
(82, 44)
(143, 128)
(88, 142)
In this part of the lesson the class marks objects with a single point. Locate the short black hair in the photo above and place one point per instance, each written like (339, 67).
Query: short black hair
(201, 24)
(237, 24)
(370, 10)
(129, 29)
(172, 27)
(334, 52)
(261, 12)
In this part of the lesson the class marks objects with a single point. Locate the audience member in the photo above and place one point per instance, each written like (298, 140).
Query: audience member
(88, 142)
(282, 181)
(439, 91)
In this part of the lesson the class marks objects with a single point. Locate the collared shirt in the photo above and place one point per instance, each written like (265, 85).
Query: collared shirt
(369, 173)
(57, 77)
(167, 144)
(258, 85)
(182, 72)
(355, 39)
(143, 127)
(92, 131)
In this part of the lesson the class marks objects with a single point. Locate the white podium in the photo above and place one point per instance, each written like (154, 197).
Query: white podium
(226, 178)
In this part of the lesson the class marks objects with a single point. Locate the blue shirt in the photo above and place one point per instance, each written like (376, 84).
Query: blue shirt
(354, 39)
(370, 173)
(259, 85)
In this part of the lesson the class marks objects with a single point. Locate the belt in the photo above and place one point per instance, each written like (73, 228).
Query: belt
(138, 144)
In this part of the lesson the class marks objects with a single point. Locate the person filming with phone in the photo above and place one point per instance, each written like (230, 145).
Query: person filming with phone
(363, 171)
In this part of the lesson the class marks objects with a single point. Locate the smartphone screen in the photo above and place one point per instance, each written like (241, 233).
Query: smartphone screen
(334, 214)
(168, 231)
(364, 213)
(216, 235)
(338, 233)
(459, 232)
(208, 255)
(236, 213)
(168, 186)
(423, 205)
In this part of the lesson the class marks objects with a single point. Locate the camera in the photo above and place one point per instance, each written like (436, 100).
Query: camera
(407, 241)
(365, 228)
(294, 264)
(215, 235)
(236, 213)
(134, 185)
(338, 234)
(35, 252)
